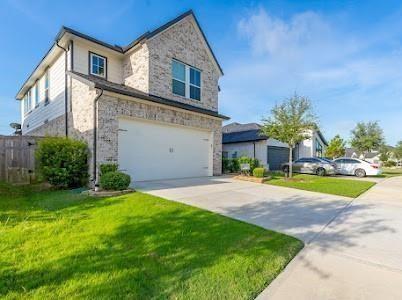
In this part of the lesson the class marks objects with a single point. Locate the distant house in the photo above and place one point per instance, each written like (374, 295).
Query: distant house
(246, 140)
(372, 157)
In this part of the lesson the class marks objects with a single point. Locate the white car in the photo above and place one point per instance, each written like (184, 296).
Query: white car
(356, 167)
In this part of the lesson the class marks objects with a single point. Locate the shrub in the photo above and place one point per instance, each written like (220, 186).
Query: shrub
(259, 172)
(253, 162)
(235, 165)
(63, 162)
(116, 181)
(389, 163)
(225, 165)
(108, 167)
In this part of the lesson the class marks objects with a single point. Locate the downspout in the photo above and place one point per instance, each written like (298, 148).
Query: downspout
(95, 173)
(65, 86)
(254, 149)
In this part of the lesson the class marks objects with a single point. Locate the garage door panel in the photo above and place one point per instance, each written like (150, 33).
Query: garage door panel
(151, 151)
(277, 156)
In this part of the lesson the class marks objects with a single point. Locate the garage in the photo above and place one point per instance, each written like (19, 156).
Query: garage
(277, 156)
(149, 150)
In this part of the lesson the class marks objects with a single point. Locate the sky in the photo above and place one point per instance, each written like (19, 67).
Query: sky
(345, 56)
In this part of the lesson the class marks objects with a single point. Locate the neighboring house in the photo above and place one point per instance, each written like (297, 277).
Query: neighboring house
(151, 107)
(246, 140)
(372, 157)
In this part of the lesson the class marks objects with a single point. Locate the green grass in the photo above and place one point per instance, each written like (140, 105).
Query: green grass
(327, 184)
(388, 172)
(60, 244)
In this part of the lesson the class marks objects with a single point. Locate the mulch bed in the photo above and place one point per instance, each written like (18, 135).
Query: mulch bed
(252, 179)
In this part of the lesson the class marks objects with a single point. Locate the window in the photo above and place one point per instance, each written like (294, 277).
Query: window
(318, 148)
(47, 85)
(27, 102)
(36, 94)
(351, 161)
(186, 81)
(234, 154)
(303, 160)
(179, 78)
(225, 154)
(195, 84)
(97, 65)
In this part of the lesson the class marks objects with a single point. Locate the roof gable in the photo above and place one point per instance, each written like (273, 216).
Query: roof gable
(190, 16)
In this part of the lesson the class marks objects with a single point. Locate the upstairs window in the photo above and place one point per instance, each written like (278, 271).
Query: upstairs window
(47, 86)
(97, 65)
(195, 84)
(186, 81)
(36, 94)
(27, 102)
(179, 78)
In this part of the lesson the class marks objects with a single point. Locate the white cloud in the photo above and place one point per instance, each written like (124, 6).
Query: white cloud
(341, 71)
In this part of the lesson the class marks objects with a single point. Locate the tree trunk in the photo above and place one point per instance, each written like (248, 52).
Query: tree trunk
(290, 162)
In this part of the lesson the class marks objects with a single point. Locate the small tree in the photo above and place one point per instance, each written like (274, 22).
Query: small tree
(367, 137)
(398, 150)
(336, 147)
(384, 153)
(290, 123)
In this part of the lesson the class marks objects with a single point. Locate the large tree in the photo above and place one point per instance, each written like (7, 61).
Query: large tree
(367, 137)
(336, 147)
(290, 123)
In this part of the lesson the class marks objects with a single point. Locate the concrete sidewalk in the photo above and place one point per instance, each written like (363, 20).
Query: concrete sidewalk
(357, 256)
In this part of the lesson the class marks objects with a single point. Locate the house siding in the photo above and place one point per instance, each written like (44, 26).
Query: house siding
(247, 149)
(114, 61)
(183, 42)
(55, 108)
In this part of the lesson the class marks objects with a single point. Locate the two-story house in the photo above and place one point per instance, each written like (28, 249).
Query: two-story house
(151, 107)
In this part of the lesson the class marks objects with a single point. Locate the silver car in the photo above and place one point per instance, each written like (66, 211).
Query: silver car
(311, 165)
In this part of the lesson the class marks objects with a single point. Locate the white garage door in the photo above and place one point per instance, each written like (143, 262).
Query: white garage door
(152, 151)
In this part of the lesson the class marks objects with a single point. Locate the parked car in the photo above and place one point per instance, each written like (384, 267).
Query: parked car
(356, 167)
(310, 165)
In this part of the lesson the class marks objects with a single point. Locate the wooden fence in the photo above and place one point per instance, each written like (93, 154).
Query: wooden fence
(17, 158)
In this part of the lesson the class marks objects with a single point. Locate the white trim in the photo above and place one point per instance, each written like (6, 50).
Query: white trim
(91, 55)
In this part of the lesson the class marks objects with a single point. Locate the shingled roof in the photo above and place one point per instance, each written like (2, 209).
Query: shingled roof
(243, 136)
(122, 89)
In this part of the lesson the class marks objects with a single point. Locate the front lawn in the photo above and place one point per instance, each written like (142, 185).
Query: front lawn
(329, 185)
(60, 244)
(391, 172)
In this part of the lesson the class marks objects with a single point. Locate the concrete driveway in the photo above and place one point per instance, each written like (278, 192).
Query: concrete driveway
(353, 248)
(299, 213)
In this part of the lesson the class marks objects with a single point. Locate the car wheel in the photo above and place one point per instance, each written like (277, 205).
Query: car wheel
(285, 169)
(320, 172)
(360, 173)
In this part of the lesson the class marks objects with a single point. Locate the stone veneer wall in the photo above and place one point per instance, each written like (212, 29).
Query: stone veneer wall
(111, 108)
(182, 42)
(55, 127)
(136, 68)
(81, 122)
